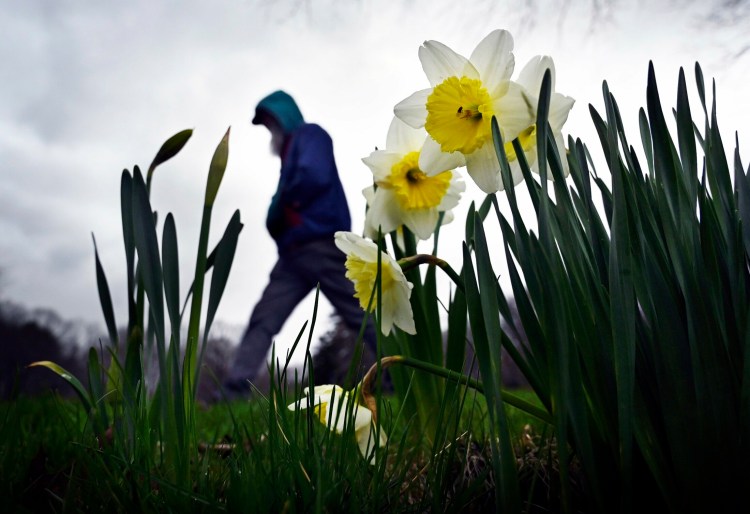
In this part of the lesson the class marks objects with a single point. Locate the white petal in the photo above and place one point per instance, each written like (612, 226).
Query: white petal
(339, 412)
(396, 306)
(432, 160)
(299, 404)
(321, 394)
(493, 58)
(403, 138)
(515, 172)
(440, 62)
(422, 222)
(366, 441)
(324, 393)
(344, 410)
(404, 318)
(352, 244)
(413, 109)
(453, 195)
(381, 162)
(532, 154)
(560, 106)
(364, 438)
(484, 168)
(368, 230)
(532, 74)
(515, 112)
(400, 239)
(362, 417)
(383, 212)
(369, 194)
(386, 318)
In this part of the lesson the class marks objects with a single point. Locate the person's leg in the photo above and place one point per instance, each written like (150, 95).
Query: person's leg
(285, 290)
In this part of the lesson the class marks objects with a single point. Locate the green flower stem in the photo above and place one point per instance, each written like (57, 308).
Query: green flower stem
(386, 362)
(409, 263)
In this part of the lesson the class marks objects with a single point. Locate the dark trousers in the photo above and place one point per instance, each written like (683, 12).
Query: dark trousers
(296, 273)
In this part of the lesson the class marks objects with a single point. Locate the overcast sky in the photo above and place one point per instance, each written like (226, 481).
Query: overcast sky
(91, 88)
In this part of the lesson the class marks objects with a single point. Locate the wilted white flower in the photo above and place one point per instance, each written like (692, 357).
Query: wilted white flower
(333, 406)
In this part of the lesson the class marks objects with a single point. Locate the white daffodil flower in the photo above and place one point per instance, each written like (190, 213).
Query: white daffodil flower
(362, 270)
(333, 407)
(406, 195)
(457, 110)
(560, 105)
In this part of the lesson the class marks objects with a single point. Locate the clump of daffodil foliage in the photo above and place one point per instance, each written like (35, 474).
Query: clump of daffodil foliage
(635, 304)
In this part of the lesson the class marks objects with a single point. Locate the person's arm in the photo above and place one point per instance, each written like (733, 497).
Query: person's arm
(313, 167)
(276, 222)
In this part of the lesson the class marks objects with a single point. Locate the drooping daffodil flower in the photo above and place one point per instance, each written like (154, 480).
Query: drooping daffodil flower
(457, 110)
(335, 408)
(560, 105)
(403, 194)
(362, 269)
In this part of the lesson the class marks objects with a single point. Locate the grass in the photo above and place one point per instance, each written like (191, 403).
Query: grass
(52, 463)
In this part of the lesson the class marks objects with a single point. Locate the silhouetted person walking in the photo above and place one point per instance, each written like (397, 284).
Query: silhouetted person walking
(309, 206)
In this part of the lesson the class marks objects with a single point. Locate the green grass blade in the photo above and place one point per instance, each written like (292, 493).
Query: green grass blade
(744, 393)
(78, 387)
(721, 185)
(216, 169)
(686, 139)
(171, 272)
(148, 256)
(667, 167)
(190, 362)
(700, 84)
(215, 175)
(128, 236)
(601, 130)
(224, 256)
(622, 300)
(105, 298)
(488, 349)
(542, 114)
(171, 277)
(149, 266)
(455, 352)
(169, 149)
(96, 388)
(646, 139)
(742, 187)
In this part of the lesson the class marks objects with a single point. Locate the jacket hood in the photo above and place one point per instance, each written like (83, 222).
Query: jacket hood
(282, 107)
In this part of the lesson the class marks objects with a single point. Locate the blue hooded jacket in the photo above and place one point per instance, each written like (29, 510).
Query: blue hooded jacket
(309, 202)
